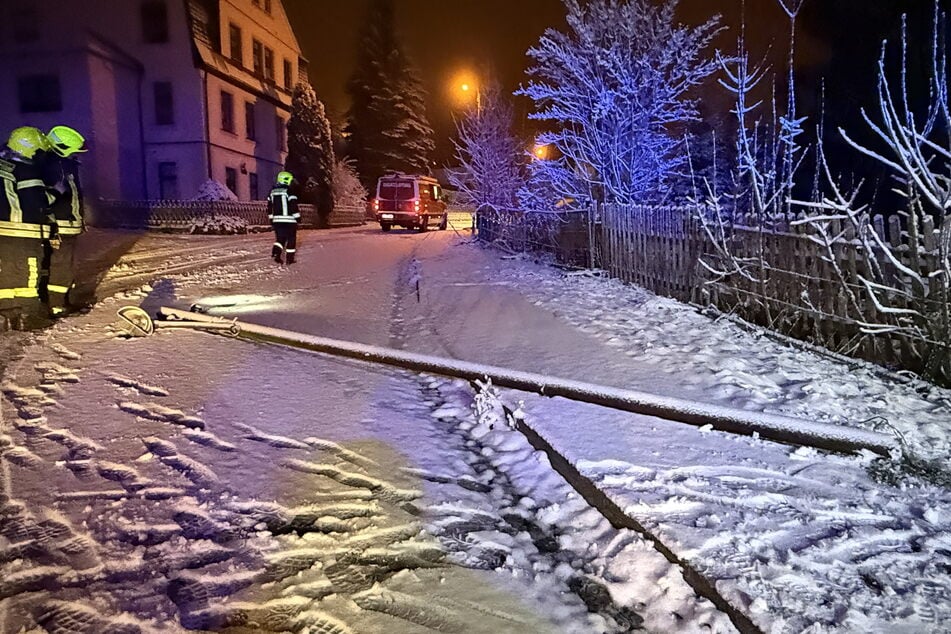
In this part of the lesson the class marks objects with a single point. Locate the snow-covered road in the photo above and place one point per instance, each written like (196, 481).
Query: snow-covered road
(194, 480)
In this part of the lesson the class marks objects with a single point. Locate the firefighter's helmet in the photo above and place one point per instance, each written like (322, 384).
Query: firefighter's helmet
(66, 141)
(27, 141)
(285, 178)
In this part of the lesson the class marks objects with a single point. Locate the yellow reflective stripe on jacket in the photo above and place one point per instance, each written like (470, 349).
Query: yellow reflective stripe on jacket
(70, 227)
(30, 182)
(58, 289)
(23, 230)
(11, 293)
(16, 213)
(77, 214)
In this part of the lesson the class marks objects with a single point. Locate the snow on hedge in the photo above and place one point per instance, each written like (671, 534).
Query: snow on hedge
(218, 224)
(212, 190)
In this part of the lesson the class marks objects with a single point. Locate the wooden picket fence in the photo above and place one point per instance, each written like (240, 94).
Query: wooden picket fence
(791, 282)
(561, 235)
(656, 248)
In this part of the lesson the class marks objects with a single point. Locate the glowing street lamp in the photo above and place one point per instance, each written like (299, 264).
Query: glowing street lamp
(464, 87)
(540, 152)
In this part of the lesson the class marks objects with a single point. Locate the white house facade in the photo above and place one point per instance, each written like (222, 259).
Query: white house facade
(169, 93)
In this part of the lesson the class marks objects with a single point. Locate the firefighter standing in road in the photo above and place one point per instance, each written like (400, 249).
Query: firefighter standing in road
(284, 214)
(26, 229)
(61, 174)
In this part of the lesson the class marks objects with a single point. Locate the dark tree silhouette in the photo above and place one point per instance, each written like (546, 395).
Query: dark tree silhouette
(310, 153)
(388, 129)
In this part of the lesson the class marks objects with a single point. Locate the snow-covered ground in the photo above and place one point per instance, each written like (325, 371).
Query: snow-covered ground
(794, 538)
(193, 480)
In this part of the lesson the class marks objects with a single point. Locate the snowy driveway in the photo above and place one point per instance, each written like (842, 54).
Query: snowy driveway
(265, 481)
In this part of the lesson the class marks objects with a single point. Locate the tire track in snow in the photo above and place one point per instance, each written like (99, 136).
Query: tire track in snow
(460, 529)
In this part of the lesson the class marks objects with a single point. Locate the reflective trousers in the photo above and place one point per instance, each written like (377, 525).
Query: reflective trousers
(285, 241)
(61, 275)
(21, 273)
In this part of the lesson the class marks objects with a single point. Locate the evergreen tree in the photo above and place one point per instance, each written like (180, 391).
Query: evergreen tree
(388, 127)
(310, 153)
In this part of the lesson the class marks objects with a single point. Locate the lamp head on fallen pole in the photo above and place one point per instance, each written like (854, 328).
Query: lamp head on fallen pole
(135, 322)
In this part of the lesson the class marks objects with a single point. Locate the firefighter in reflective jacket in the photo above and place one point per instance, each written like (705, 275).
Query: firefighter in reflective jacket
(284, 215)
(26, 229)
(61, 174)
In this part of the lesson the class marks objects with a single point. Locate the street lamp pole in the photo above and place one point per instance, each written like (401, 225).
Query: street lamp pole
(466, 87)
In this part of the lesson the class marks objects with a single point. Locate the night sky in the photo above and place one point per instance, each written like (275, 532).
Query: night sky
(837, 39)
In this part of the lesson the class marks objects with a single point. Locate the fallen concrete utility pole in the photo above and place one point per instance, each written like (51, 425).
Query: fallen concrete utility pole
(771, 426)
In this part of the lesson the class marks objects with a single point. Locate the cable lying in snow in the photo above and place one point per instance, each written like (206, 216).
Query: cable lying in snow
(770, 426)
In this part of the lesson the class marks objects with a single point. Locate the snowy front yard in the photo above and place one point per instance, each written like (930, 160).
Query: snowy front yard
(188, 480)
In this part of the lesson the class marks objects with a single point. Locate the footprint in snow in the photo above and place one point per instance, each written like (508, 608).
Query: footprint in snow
(65, 353)
(278, 442)
(22, 457)
(207, 439)
(27, 400)
(466, 482)
(199, 474)
(138, 386)
(56, 373)
(127, 477)
(381, 489)
(68, 617)
(196, 524)
(153, 411)
(341, 452)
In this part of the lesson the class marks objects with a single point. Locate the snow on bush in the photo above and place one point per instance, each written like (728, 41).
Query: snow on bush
(610, 89)
(218, 224)
(348, 191)
(212, 190)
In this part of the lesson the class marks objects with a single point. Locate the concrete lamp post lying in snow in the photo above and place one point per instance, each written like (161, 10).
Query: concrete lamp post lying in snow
(769, 426)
